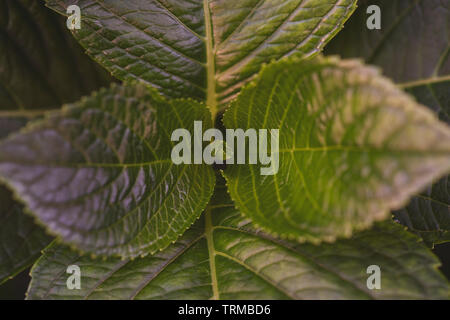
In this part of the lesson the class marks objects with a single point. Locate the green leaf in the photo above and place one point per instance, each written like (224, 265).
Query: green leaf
(42, 66)
(412, 44)
(186, 48)
(99, 173)
(352, 147)
(224, 257)
(22, 241)
(413, 48)
(428, 214)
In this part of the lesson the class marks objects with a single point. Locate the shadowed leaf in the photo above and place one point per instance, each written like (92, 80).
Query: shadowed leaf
(99, 173)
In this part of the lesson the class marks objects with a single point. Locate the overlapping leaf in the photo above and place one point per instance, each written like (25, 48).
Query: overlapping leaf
(186, 48)
(22, 240)
(352, 147)
(41, 67)
(413, 48)
(224, 257)
(428, 214)
(99, 173)
(412, 44)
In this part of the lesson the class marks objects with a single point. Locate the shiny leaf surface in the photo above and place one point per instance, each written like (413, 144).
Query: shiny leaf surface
(224, 257)
(202, 47)
(99, 173)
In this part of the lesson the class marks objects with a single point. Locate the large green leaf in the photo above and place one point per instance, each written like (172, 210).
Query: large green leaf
(41, 67)
(352, 147)
(224, 257)
(22, 241)
(99, 173)
(412, 47)
(202, 47)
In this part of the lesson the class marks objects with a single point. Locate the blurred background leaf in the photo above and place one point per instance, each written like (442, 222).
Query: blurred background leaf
(41, 68)
(413, 48)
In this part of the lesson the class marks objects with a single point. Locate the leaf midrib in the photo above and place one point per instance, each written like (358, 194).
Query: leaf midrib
(391, 29)
(211, 102)
(29, 113)
(91, 165)
(209, 233)
(211, 97)
(423, 82)
(122, 18)
(356, 149)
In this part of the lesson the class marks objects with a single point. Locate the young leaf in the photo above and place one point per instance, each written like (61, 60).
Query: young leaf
(22, 240)
(224, 257)
(352, 147)
(99, 174)
(411, 47)
(188, 48)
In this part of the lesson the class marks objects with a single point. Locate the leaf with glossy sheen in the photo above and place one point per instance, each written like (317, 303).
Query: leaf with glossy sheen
(99, 173)
(179, 46)
(223, 257)
(352, 147)
(413, 48)
(22, 240)
(42, 66)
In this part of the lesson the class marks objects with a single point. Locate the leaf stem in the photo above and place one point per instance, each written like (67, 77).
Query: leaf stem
(211, 102)
(423, 82)
(211, 253)
(211, 98)
(25, 113)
